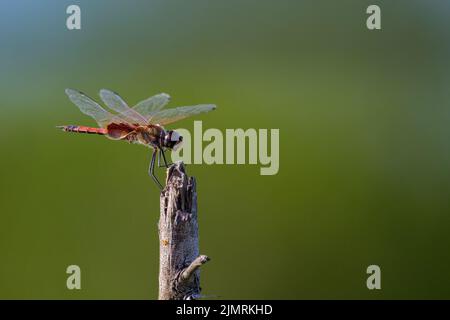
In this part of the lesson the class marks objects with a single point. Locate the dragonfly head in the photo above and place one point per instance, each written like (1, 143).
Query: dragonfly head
(172, 140)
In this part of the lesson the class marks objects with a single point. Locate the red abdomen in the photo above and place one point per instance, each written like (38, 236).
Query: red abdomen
(83, 129)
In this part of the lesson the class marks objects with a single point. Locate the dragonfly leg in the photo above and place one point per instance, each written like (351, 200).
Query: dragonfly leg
(164, 157)
(151, 169)
(159, 158)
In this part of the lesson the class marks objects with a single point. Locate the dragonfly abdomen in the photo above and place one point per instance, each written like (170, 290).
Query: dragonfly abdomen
(83, 129)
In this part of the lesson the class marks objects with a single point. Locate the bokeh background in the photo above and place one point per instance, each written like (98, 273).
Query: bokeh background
(364, 147)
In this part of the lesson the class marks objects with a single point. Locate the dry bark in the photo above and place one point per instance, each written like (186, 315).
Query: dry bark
(179, 260)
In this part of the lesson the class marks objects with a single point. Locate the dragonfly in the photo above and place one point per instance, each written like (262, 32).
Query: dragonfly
(141, 124)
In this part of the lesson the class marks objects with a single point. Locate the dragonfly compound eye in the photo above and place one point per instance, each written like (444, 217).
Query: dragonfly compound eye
(171, 139)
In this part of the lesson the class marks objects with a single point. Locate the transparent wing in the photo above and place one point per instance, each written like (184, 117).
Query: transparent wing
(90, 107)
(116, 103)
(171, 115)
(151, 105)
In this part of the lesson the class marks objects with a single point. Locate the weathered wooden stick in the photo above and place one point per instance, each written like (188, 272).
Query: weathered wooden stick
(179, 259)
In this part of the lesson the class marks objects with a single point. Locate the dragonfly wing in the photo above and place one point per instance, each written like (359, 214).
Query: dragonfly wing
(151, 105)
(175, 114)
(116, 103)
(90, 107)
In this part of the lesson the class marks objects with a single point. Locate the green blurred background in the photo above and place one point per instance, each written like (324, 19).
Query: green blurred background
(364, 147)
